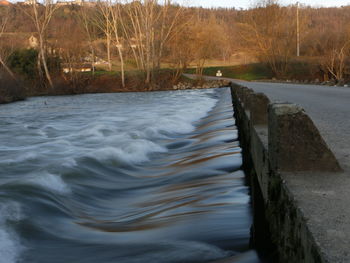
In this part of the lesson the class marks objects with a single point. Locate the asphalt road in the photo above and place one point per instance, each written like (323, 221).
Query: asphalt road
(328, 107)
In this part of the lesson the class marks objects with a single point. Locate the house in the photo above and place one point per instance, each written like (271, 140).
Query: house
(30, 2)
(76, 67)
(33, 42)
(75, 2)
(4, 3)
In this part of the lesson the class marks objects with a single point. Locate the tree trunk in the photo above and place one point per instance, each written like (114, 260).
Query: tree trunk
(8, 70)
(121, 65)
(109, 52)
(44, 63)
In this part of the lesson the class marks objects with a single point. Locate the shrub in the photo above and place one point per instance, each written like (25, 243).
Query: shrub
(25, 61)
(10, 89)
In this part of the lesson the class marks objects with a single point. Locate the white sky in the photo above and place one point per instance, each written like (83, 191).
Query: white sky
(249, 3)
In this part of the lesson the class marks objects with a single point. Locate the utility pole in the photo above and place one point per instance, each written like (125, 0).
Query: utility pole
(298, 31)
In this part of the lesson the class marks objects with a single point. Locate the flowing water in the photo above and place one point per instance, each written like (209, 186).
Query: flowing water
(131, 177)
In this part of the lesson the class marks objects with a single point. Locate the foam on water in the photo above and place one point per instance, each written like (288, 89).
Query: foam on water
(10, 246)
(129, 136)
(22, 157)
(135, 151)
(69, 163)
(48, 181)
(101, 184)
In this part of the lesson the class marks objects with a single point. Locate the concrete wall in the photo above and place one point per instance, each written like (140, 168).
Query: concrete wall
(279, 139)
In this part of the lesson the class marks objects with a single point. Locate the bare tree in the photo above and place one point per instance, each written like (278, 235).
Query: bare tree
(172, 22)
(85, 16)
(181, 51)
(151, 26)
(116, 18)
(142, 30)
(72, 51)
(41, 15)
(3, 22)
(208, 41)
(103, 20)
(109, 21)
(335, 61)
(335, 58)
(268, 32)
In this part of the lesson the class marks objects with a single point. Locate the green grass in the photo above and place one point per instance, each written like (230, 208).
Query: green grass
(115, 73)
(102, 72)
(245, 72)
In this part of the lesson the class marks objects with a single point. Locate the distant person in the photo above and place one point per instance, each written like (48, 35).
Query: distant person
(219, 73)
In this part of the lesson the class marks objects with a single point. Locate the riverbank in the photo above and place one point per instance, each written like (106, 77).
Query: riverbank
(299, 72)
(12, 91)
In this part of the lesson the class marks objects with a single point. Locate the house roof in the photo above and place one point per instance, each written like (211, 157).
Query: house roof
(4, 2)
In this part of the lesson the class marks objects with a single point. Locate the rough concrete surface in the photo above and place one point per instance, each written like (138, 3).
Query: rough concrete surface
(295, 144)
(328, 107)
(258, 105)
(323, 198)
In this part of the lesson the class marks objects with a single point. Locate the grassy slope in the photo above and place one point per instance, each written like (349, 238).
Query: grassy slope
(245, 72)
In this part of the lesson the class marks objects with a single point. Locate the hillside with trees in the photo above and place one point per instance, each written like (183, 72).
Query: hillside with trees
(106, 46)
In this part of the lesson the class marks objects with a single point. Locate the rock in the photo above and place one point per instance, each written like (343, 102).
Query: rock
(341, 82)
(331, 82)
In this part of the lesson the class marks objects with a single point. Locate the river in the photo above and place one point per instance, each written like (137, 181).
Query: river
(126, 177)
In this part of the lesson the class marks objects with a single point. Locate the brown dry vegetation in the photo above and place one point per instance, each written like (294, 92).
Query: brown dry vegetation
(10, 89)
(143, 37)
